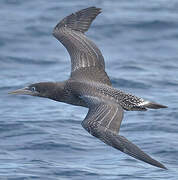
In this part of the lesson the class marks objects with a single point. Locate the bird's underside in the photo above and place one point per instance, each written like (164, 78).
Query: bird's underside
(90, 86)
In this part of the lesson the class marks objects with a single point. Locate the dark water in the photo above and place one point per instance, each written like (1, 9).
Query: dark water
(43, 139)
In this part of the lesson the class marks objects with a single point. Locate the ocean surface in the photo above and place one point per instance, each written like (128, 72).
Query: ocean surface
(41, 139)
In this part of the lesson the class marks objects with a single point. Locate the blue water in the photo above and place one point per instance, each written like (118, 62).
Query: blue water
(43, 140)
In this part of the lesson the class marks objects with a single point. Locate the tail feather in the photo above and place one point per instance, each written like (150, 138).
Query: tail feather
(153, 105)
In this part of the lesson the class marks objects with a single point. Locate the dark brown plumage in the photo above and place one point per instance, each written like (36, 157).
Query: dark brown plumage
(89, 86)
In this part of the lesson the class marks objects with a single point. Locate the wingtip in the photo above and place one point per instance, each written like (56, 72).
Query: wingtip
(78, 21)
(160, 165)
(94, 7)
(134, 151)
(99, 10)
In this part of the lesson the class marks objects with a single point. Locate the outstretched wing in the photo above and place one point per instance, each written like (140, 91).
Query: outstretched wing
(86, 58)
(103, 121)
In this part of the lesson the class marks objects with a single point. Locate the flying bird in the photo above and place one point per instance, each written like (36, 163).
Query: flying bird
(89, 86)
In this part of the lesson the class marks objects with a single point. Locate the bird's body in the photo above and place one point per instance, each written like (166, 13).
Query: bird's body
(89, 86)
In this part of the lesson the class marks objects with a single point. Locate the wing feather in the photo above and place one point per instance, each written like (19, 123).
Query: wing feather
(84, 53)
(101, 113)
(103, 121)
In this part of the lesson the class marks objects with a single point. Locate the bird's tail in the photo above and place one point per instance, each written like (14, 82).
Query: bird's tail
(153, 105)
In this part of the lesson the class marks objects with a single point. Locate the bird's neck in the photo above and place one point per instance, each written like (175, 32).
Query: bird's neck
(56, 91)
(62, 92)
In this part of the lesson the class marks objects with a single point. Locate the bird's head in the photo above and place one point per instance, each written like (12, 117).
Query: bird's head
(43, 89)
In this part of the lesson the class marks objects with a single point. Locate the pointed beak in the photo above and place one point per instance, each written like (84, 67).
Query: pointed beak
(23, 91)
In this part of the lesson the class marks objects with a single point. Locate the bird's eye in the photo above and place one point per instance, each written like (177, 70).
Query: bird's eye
(33, 89)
